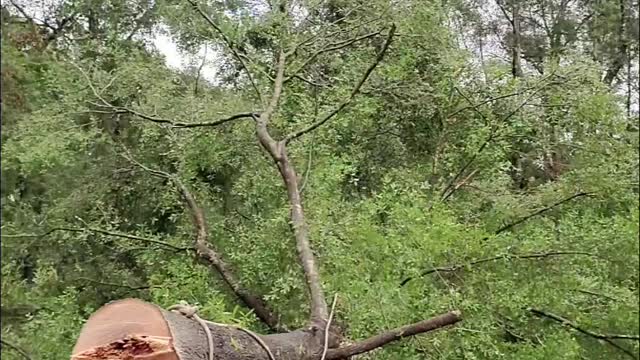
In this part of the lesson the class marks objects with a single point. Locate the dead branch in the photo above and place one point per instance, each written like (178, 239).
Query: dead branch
(377, 341)
(353, 94)
(211, 257)
(596, 294)
(608, 338)
(507, 256)
(15, 348)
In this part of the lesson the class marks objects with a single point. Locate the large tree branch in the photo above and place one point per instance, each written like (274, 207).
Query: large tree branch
(278, 152)
(608, 338)
(211, 257)
(377, 341)
(353, 94)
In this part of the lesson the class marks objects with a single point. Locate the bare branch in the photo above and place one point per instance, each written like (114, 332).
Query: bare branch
(112, 109)
(608, 338)
(353, 94)
(457, 267)
(278, 152)
(331, 47)
(377, 341)
(173, 123)
(230, 45)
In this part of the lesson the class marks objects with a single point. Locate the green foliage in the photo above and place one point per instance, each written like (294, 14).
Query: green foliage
(432, 159)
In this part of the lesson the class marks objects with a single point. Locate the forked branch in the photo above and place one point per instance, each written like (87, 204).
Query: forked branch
(353, 94)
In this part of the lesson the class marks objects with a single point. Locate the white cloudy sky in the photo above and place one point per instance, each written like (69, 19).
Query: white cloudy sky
(175, 59)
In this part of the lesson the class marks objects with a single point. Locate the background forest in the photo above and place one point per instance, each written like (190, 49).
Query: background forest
(489, 163)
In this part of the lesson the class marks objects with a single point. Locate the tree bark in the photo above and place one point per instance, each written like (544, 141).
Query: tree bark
(132, 329)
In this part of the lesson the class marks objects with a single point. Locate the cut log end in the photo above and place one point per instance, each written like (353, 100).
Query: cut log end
(135, 347)
(128, 329)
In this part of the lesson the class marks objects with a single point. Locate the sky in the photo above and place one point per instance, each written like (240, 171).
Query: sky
(177, 60)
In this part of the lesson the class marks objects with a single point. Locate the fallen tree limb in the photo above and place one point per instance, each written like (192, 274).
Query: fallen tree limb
(377, 341)
(124, 328)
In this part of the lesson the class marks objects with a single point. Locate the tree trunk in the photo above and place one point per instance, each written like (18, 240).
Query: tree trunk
(133, 329)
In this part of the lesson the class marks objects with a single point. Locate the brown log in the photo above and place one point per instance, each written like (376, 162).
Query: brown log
(132, 329)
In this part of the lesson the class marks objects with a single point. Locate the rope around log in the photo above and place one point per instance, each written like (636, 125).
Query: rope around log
(190, 312)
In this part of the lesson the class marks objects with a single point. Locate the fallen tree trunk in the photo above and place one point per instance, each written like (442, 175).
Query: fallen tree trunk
(132, 329)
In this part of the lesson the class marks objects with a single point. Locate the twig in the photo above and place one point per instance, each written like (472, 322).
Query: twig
(353, 94)
(101, 231)
(377, 341)
(326, 329)
(457, 267)
(608, 338)
(134, 288)
(15, 348)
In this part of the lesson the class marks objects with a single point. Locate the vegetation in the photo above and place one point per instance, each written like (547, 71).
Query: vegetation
(407, 158)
